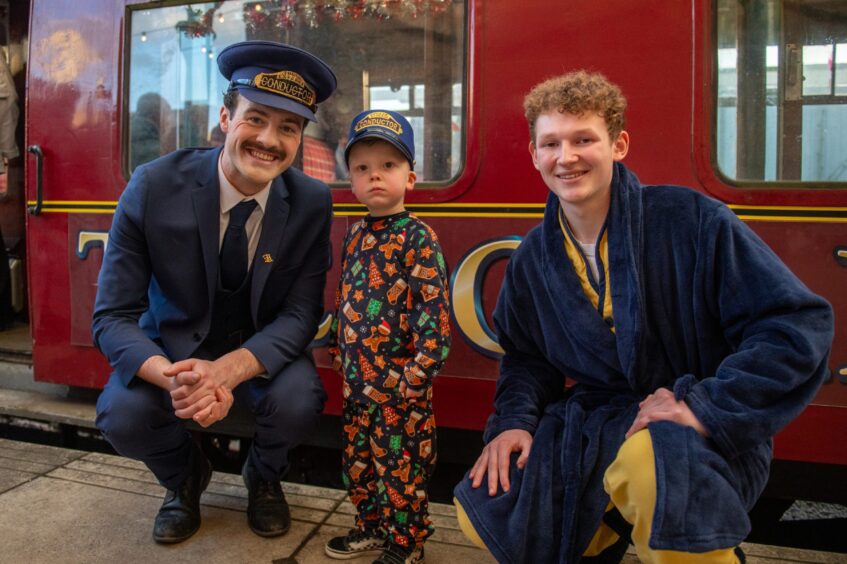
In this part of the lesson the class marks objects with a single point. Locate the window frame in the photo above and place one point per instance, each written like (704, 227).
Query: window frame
(795, 193)
(425, 191)
(788, 193)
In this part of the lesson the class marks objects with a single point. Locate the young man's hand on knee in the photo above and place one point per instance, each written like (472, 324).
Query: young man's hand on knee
(496, 456)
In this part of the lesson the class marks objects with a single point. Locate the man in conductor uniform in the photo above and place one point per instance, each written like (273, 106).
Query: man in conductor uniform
(211, 289)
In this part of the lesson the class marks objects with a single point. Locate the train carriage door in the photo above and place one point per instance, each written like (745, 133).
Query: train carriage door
(112, 85)
(15, 342)
(73, 177)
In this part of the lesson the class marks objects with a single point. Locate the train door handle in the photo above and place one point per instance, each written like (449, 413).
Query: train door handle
(39, 169)
(840, 254)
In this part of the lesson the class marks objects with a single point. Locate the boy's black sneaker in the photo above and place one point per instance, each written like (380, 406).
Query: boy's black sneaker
(354, 544)
(396, 554)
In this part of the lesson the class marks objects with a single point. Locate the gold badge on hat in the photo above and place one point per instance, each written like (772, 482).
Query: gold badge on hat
(289, 84)
(379, 119)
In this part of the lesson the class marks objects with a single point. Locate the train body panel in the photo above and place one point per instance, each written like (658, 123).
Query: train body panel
(88, 64)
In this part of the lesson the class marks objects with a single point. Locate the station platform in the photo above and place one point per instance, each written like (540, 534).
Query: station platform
(66, 506)
(59, 505)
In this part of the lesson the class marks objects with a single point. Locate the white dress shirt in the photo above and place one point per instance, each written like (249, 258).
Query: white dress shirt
(231, 197)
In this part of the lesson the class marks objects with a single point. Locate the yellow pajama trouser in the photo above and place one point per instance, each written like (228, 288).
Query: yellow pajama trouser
(630, 482)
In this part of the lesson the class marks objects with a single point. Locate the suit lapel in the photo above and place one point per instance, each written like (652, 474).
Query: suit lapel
(273, 227)
(206, 197)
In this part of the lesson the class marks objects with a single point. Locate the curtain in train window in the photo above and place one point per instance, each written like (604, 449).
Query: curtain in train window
(402, 55)
(782, 90)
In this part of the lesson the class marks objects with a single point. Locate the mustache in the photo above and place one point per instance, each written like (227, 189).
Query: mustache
(279, 153)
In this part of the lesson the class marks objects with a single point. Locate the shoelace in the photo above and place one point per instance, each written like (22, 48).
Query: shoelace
(356, 535)
(268, 490)
(393, 555)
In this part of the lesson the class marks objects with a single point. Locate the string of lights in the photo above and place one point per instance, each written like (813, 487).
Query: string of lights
(281, 14)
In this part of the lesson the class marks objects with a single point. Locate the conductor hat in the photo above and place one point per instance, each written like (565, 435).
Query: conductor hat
(387, 125)
(277, 75)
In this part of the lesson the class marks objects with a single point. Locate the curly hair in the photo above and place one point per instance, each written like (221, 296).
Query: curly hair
(577, 92)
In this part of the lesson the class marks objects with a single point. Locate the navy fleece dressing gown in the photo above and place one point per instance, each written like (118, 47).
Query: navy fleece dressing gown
(701, 306)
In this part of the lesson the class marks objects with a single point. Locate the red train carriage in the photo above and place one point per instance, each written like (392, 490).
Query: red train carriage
(743, 100)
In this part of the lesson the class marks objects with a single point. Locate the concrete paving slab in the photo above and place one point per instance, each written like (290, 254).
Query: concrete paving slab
(91, 524)
(339, 519)
(346, 507)
(17, 340)
(220, 479)
(104, 466)
(452, 536)
(803, 510)
(92, 507)
(100, 458)
(149, 489)
(45, 454)
(220, 496)
(765, 554)
(46, 407)
(442, 509)
(440, 520)
(312, 491)
(112, 470)
(24, 465)
(17, 376)
(13, 478)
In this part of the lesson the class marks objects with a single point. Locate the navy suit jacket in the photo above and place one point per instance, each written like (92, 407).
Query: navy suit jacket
(160, 269)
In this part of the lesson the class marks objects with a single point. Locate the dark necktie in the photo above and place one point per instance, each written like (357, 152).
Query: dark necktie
(234, 247)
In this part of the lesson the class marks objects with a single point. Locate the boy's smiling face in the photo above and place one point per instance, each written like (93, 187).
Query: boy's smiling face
(575, 157)
(380, 176)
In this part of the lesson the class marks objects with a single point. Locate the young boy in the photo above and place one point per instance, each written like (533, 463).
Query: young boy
(690, 343)
(392, 333)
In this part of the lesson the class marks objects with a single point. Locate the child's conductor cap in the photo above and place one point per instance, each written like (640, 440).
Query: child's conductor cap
(277, 75)
(385, 125)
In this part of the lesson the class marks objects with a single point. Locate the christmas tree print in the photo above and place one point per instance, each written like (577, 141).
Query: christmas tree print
(375, 279)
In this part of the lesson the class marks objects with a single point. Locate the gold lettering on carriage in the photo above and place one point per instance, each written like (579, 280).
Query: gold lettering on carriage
(466, 295)
(88, 239)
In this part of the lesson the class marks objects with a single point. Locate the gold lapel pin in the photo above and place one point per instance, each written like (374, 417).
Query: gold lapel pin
(267, 258)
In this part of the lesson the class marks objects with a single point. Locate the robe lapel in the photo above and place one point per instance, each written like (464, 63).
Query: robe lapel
(273, 227)
(577, 317)
(625, 268)
(206, 198)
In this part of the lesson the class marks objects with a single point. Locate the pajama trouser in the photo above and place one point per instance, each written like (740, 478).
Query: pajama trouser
(389, 455)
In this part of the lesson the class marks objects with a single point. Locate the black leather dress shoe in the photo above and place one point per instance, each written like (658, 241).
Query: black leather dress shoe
(179, 516)
(267, 511)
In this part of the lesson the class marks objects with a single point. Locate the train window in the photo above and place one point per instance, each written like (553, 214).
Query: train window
(782, 90)
(404, 55)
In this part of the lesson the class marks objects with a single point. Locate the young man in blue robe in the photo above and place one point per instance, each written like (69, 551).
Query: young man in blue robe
(690, 344)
